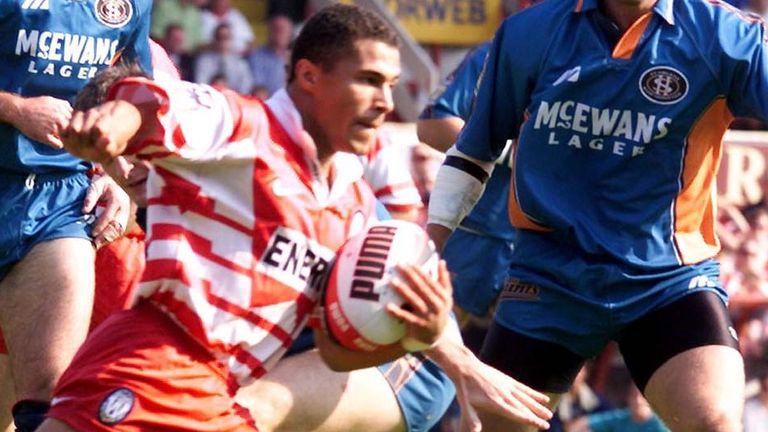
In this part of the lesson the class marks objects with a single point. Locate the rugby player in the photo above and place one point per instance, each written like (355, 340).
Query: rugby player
(618, 109)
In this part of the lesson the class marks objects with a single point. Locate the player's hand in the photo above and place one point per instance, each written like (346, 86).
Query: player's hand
(114, 205)
(439, 235)
(481, 388)
(103, 132)
(489, 390)
(429, 303)
(43, 118)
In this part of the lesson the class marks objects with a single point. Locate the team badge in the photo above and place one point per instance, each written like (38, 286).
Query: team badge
(663, 85)
(113, 13)
(116, 407)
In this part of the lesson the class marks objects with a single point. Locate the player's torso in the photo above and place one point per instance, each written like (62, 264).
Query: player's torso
(239, 246)
(53, 47)
(606, 140)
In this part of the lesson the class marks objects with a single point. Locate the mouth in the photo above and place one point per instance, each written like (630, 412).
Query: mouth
(370, 124)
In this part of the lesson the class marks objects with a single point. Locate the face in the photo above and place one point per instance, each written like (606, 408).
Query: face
(131, 175)
(280, 32)
(223, 39)
(176, 40)
(219, 7)
(350, 101)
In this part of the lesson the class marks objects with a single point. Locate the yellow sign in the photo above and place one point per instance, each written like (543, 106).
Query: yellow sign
(452, 22)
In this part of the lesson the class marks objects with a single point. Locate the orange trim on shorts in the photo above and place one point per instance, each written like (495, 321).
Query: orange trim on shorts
(694, 234)
(631, 37)
(579, 5)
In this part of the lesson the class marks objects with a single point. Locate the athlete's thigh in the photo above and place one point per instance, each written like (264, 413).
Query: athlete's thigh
(686, 359)
(301, 394)
(542, 365)
(45, 308)
(7, 395)
(701, 389)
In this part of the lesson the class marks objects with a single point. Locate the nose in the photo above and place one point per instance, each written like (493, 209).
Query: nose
(385, 100)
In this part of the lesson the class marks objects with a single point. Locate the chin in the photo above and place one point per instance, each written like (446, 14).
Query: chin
(362, 145)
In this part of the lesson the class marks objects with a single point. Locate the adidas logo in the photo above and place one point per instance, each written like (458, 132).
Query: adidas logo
(571, 75)
(35, 4)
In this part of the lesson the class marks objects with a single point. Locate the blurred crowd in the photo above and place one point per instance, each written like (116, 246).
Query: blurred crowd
(210, 41)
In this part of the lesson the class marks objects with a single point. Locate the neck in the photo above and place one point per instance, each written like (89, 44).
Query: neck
(324, 149)
(625, 12)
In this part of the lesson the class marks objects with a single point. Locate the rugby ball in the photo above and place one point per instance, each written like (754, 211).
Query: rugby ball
(358, 287)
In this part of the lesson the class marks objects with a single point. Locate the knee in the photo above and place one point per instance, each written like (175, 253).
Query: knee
(724, 420)
(268, 406)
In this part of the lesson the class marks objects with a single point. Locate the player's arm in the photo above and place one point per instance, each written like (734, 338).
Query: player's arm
(104, 132)
(480, 387)
(389, 176)
(426, 317)
(441, 121)
(502, 95)
(739, 56)
(40, 118)
(179, 121)
(439, 133)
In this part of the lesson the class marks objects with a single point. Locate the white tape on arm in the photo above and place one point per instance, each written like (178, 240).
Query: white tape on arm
(457, 188)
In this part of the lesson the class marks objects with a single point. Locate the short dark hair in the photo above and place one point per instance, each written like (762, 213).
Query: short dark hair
(331, 33)
(95, 92)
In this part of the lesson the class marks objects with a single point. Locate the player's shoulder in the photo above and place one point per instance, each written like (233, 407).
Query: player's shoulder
(534, 28)
(144, 6)
(730, 25)
(539, 17)
(714, 14)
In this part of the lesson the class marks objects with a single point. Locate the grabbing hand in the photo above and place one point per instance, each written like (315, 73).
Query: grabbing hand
(429, 304)
(112, 221)
(43, 118)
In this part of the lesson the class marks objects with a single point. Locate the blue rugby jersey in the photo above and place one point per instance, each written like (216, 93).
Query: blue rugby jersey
(489, 216)
(618, 147)
(53, 47)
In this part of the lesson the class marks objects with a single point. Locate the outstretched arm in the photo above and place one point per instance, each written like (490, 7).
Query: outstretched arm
(103, 133)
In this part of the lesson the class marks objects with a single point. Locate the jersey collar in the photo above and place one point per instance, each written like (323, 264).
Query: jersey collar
(663, 8)
(346, 167)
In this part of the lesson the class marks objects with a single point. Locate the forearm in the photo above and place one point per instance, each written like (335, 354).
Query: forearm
(439, 134)
(450, 353)
(10, 107)
(460, 183)
(341, 359)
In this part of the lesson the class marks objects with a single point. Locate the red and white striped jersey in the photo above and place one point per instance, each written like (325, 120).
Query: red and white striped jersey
(387, 171)
(237, 220)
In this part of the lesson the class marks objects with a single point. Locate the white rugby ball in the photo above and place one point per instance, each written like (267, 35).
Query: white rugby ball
(359, 289)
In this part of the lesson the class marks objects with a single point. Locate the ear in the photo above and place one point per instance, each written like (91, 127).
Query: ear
(307, 75)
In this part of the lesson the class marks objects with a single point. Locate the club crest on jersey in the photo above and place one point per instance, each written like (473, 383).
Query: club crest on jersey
(113, 13)
(663, 85)
(116, 407)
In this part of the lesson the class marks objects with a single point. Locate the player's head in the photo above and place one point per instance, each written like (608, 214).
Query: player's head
(343, 66)
(95, 92)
